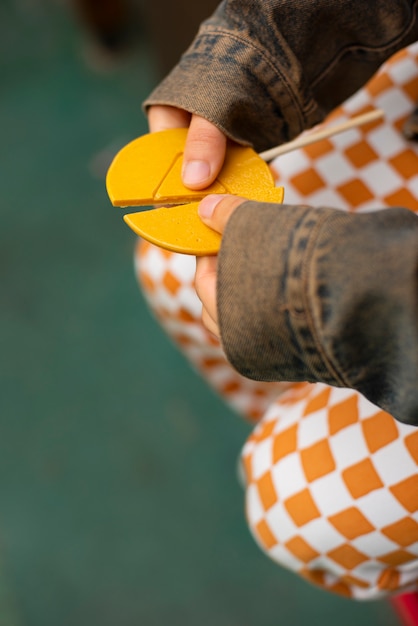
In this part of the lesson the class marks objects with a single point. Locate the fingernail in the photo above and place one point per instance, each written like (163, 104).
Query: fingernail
(208, 204)
(195, 172)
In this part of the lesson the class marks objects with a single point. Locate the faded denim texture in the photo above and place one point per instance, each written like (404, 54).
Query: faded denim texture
(335, 300)
(265, 70)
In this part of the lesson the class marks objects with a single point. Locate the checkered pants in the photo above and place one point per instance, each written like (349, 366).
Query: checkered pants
(331, 480)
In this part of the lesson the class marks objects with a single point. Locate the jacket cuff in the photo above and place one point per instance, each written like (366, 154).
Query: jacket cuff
(264, 313)
(232, 82)
(304, 299)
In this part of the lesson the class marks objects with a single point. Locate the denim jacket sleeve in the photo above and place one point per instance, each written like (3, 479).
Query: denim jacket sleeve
(265, 70)
(324, 296)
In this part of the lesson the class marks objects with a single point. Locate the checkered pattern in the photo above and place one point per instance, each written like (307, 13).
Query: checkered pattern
(331, 480)
(332, 491)
(168, 284)
(365, 168)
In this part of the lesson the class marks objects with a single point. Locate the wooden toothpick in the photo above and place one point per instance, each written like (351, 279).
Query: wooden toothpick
(306, 140)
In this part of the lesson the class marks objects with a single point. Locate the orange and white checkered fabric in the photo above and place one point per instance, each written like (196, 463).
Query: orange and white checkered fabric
(365, 168)
(332, 492)
(331, 480)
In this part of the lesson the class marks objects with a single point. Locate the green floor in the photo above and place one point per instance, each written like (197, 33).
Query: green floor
(118, 499)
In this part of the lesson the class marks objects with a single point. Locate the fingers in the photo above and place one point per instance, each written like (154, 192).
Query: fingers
(205, 285)
(204, 156)
(164, 117)
(215, 210)
(205, 148)
(204, 153)
(210, 324)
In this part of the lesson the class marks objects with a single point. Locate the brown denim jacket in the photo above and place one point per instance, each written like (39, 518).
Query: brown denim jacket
(307, 293)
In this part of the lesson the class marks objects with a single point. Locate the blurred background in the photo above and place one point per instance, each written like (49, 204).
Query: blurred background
(119, 503)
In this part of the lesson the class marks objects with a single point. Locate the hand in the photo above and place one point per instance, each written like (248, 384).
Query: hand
(205, 149)
(203, 159)
(215, 212)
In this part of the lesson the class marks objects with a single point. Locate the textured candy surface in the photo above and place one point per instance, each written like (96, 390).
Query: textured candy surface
(147, 171)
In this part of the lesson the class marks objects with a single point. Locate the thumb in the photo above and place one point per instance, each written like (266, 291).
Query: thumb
(204, 153)
(215, 210)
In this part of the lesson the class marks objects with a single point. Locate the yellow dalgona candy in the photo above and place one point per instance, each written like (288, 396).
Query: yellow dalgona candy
(147, 171)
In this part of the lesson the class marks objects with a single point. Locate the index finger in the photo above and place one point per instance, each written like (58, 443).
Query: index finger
(165, 117)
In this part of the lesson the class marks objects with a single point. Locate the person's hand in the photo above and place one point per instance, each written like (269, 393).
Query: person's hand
(215, 212)
(204, 156)
(205, 148)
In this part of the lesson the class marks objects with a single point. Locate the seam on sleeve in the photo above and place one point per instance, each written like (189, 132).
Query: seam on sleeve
(394, 43)
(307, 279)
